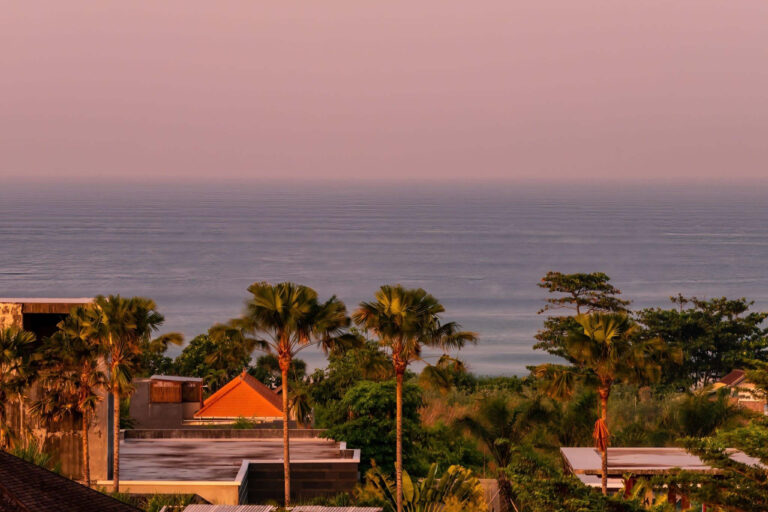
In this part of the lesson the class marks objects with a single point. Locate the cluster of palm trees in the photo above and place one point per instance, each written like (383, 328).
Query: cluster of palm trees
(98, 350)
(285, 318)
(95, 351)
(98, 347)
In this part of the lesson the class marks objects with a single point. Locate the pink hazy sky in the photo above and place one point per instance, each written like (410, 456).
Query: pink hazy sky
(489, 89)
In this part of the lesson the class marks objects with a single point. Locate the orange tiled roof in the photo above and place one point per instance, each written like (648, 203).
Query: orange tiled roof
(242, 396)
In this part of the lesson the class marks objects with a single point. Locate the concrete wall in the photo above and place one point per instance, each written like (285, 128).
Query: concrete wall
(217, 493)
(308, 479)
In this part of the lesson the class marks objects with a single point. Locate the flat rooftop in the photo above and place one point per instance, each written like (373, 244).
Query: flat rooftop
(213, 459)
(47, 304)
(640, 461)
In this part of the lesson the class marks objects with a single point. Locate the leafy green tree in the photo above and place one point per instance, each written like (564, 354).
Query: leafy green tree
(501, 426)
(537, 486)
(152, 358)
(345, 369)
(18, 356)
(284, 319)
(365, 419)
(125, 325)
(267, 370)
(404, 321)
(716, 336)
(580, 293)
(217, 356)
(456, 490)
(606, 349)
(742, 485)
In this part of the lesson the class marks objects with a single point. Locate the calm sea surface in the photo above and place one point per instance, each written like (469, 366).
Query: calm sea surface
(480, 249)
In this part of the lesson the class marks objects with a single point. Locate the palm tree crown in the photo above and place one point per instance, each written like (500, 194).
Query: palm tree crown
(125, 325)
(405, 320)
(17, 357)
(286, 318)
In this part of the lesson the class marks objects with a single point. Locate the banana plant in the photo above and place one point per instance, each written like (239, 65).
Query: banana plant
(457, 488)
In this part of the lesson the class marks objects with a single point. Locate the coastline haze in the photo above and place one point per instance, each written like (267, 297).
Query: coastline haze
(434, 90)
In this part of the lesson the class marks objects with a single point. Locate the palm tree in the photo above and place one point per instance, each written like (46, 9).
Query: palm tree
(286, 318)
(125, 325)
(607, 348)
(77, 340)
(17, 355)
(404, 321)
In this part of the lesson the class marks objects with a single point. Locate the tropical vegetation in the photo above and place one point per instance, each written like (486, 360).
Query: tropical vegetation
(395, 387)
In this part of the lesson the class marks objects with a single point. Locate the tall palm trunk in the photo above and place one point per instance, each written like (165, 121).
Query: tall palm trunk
(22, 423)
(86, 456)
(505, 491)
(116, 441)
(604, 392)
(399, 439)
(285, 363)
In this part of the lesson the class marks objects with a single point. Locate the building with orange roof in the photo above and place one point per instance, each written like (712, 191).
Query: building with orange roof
(242, 397)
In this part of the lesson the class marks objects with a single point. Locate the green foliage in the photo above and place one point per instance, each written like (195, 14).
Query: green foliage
(156, 502)
(365, 419)
(215, 357)
(267, 370)
(742, 486)
(242, 423)
(715, 336)
(345, 369)
(456, 489)
(33, 452)
(579, 293)
(448, 373)
(126, 421)
(447, 445)
(406, 320)
(537, 486)
(19, 355)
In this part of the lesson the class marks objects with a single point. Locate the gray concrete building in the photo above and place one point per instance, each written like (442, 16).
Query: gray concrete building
(165, 401)
(40, 316)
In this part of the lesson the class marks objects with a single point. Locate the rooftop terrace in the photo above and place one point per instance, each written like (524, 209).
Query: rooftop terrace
(639, 461)
(212, 459)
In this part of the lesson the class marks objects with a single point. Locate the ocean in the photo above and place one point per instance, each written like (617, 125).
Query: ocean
(480, 248)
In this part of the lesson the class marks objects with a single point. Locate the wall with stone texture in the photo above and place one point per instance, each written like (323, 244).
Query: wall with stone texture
(10, 315)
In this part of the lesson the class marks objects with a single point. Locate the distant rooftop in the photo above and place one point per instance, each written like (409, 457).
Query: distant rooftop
(46, 300)
(213, 459)
(640, 461)
(176, 378)
(733, 378)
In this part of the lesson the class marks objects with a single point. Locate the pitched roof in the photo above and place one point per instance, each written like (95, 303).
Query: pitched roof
(733, 378)
(242, 396)
(26, 487)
